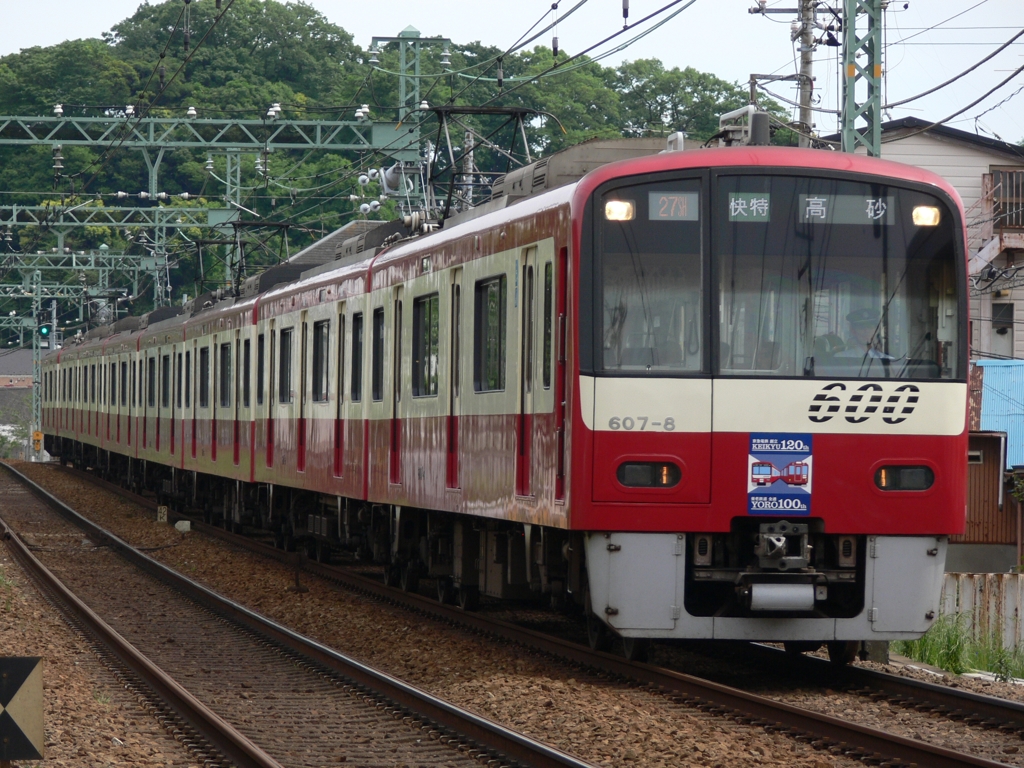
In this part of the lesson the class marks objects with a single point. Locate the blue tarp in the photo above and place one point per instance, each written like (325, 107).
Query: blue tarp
(1002, 404)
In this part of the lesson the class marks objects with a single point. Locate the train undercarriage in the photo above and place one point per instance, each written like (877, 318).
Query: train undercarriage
(764, 580)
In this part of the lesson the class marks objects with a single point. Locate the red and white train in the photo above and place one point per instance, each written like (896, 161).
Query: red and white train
(563, 392)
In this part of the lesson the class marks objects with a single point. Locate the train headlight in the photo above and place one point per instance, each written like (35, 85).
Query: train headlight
(926, 216)
(649, 474)
(619, 210)
(904, 478)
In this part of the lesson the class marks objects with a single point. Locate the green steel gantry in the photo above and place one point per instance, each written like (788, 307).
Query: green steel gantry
(862, 75)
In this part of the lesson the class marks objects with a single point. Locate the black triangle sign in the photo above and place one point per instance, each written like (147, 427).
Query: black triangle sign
(14, 670)
(14, 744)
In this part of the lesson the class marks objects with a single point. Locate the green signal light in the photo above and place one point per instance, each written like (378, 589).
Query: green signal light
(44, 330)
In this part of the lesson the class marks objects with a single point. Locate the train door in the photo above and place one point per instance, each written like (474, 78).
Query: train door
(527, 367)
(241, 368)
(271, 389)
(455, 383)
(303, 395)
(395, 452)
(339, 391)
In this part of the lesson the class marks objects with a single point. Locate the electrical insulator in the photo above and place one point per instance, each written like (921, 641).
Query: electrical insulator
(121, 196)
(129, 110)
(374, 206)
(187, 37)
(161, 70)
(364, 208)
(501, 75)
(363, 180)
(58, 110)
(554, 45)
(625, 12)
(373, 173)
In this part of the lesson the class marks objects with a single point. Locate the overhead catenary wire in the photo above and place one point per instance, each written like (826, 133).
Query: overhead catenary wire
(959, 111)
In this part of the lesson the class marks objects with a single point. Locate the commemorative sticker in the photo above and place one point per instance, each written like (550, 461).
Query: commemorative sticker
(779, 474)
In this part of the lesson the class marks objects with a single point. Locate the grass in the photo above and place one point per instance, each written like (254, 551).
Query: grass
(950, 645)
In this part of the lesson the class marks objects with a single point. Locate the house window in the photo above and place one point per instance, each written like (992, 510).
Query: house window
(975, 457)
(284, 380)
(489, 335)
(321, 337)
(425, 332)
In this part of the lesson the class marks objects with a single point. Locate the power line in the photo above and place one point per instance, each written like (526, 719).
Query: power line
(959, 111)
(953, 79)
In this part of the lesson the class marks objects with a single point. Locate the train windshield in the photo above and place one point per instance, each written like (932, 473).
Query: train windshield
(821, 277)
(651, 277)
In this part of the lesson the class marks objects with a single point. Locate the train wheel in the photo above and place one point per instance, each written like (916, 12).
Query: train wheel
(842, 651)
(409, 580)
(469, 598)
(636, 648)
(445, 591)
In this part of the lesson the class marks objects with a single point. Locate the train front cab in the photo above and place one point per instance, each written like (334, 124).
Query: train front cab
(716, 335)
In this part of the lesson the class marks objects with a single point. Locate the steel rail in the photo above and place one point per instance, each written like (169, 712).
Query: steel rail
(491, 737)
(221, 735)
(854, 739)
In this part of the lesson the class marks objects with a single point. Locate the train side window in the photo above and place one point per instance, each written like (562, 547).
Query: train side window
(489, 335)
(188, 379)
(341, 360)
(321, 338)
(177, 390)
(165, 381)
(284, 380)
(92, 383)
(113, 383)
(548, 309)
(357, 357)
(260, 365)
(151, 382)
(425, 335)
(204, 377)
(246, 372)
(124, 383)
(225, 375)
(377, 373)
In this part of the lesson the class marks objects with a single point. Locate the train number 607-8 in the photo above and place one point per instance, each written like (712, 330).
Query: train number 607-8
(640, 422)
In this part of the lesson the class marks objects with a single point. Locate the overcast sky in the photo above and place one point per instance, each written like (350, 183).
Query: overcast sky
(925, 44)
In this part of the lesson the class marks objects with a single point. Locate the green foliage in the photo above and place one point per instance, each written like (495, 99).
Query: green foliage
(15, 424)
(266, 51)
(950, 645)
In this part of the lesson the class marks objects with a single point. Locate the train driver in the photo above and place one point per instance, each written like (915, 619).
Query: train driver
(864, 341)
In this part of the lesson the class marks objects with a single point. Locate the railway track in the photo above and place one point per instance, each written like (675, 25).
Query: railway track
(259, 695)
(838, 736)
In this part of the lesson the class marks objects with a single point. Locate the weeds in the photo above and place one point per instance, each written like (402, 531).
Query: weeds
(949, 645)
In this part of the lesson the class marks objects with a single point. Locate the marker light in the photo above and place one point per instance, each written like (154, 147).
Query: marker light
(649, 474)
(619, 210)
(904, 478)
(926, 216)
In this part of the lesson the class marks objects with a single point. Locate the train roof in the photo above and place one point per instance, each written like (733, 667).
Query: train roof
(566, 179)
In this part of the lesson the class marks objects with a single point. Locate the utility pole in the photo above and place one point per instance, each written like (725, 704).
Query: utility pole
(807, 47)
(802, 29)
